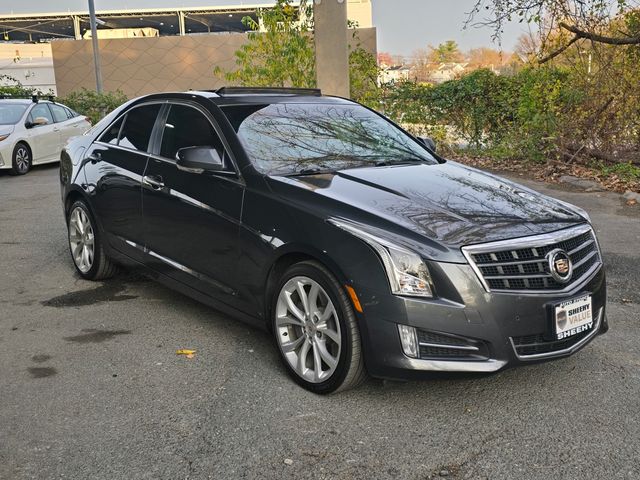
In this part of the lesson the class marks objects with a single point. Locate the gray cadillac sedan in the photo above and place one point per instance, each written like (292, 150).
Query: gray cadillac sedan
(352, 241)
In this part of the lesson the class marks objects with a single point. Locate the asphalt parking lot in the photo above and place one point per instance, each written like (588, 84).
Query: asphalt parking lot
(91, 386)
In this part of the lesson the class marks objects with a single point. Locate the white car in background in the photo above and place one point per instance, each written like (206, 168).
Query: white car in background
(33, 132)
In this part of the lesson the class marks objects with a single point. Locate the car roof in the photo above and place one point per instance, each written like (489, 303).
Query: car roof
(16, 100)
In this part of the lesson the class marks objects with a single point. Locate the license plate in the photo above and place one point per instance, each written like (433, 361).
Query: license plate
(573, 316)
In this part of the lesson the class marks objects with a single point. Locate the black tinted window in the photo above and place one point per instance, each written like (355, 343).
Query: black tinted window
(59, 113)
(137, 128)
(187, 127)
(111, 134)
(41, 111)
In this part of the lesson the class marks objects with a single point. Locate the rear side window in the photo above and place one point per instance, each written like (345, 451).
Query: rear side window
(71, 113)
(41, 111)
(138, 124)
(111, 134)
(59, 113)
(188, 127)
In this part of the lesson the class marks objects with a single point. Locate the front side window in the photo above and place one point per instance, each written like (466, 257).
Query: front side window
(11, 113)
(287, 138)
(41, 111)
(188, 127)
(59, 113)
(110, 135)
(137, 128)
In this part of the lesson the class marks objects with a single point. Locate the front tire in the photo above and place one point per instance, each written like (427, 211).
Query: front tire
(315, 330)
(85, 244)
(21, 160)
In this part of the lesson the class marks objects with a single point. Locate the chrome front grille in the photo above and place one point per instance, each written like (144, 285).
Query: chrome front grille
(521, 265)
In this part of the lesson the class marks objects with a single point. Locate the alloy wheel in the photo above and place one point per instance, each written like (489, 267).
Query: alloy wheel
(81, 239)
(308, 329)
(22, 159)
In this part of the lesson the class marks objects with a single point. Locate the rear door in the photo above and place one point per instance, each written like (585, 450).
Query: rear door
(192, 219)
(67, 126)
(114, 169)
(44, 140)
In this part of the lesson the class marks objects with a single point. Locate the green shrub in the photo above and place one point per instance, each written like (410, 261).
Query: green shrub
(92, 104)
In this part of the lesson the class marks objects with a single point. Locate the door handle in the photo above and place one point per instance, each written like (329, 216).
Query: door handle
(56, 129)
(95, 157)
(153, 181)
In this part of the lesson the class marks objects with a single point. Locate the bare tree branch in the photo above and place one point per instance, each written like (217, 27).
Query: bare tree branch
(557, 52)
(594, 37)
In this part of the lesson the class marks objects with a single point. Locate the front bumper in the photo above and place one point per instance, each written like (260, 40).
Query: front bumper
(504, 329)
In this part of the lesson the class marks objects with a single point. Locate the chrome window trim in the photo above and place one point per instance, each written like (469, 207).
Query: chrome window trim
(565, 351)
(532, 242)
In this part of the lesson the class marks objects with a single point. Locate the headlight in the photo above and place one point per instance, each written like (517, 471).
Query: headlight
(407, 273)
(580, 211)
(2, 137)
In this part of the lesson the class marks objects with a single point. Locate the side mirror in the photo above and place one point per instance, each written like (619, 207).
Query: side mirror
(199, 159)
(40, 121)
(428, 142)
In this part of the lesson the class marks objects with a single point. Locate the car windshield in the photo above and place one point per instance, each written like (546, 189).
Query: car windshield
(11, 113)
(293, 138)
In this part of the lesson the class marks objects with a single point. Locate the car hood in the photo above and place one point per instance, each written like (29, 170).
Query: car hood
(6, 129)
(450, 204)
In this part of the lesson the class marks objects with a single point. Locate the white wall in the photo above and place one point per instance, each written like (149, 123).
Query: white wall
(29, 63)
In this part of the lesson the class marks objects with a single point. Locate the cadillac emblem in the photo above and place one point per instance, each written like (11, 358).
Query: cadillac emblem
(560, 266)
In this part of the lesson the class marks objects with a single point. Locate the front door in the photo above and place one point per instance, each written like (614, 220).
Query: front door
(191, 220)
(114, 168)
(44, 139)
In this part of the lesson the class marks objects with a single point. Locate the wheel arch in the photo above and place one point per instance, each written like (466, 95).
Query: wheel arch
(291, 255)
(76, 193)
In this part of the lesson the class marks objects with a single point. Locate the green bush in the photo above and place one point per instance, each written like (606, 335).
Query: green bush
(92, 104)
(15, 88)
(523, 116)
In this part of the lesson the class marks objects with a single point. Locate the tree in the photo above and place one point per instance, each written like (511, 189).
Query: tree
(421, 65)
(486, 57)
(280, 52)
(445, 52)
(580, 19)
(11, 86)
(385, 58)
(527, 47)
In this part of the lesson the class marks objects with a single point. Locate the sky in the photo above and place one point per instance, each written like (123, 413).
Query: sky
(403, 25)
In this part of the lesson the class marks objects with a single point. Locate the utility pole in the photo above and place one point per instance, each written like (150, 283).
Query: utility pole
(94, 42)
(332, 52)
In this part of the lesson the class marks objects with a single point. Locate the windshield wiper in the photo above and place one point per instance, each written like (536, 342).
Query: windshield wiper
(310, 171)
(401, 161)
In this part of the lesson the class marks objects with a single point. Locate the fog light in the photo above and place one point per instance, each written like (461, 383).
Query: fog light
(409, 340)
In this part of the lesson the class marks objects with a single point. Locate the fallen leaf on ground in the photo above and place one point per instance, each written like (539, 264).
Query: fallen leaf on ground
(186, 353)
(632, 202)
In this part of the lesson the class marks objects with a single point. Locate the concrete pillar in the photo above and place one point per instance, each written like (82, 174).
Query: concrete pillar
(181, 23)
(76, 27)
(332, 52)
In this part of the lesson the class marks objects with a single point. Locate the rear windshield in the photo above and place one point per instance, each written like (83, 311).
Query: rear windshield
(285, 138)
(11, 113)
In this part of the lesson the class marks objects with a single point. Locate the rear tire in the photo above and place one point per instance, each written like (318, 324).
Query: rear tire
(21, 160)
(315, 330)
(85, 244)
